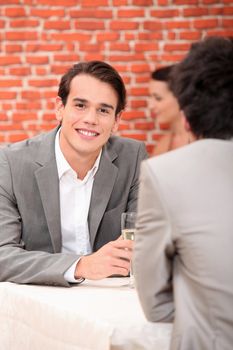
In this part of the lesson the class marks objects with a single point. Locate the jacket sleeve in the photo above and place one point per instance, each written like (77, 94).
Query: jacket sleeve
(17, 264)
(154, 250)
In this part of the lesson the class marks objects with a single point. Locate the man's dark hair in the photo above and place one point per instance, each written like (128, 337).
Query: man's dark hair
(99, 70)
(203, 85)
(162, 74)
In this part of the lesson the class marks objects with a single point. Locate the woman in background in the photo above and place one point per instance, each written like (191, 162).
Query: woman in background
(166, 108)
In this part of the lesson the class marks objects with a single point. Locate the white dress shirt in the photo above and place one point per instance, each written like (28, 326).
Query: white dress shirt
(75, 197)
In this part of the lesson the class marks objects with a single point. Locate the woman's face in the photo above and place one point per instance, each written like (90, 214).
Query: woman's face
(163, 103)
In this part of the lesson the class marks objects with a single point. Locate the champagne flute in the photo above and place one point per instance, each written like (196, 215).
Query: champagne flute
(128, 221)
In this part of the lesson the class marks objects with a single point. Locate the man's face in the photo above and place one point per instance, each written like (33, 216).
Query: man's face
(88, 118)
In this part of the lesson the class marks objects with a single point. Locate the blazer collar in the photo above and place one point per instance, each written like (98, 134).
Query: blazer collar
(48, 184)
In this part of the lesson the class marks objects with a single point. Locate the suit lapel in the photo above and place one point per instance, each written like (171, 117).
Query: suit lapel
(48, 184)
(102, 189)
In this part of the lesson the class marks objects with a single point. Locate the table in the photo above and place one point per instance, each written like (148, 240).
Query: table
(96, 315)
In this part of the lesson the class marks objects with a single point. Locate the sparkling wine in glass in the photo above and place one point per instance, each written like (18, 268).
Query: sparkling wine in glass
(128, 221)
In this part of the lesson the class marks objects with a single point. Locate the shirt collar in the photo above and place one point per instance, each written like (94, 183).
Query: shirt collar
(63, 166)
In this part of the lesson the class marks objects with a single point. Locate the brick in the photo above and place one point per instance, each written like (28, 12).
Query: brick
(190, 35)
(126, 58)
(142, 2)
(24, 36)
(120, 47)
(220, 33)
(31, 95)
(60, 69)
(2, 24)
(138, 104)
(142, 79)
(194, 11)
(150, 149)
(140, 68)
(123, 126)
(136, 136)
(147, 46)
(205, 23)
(215, 11)
(15, 11)
(28, 106)
(91, 14)
(130, 115)
(57, 25)
(89, 25)
(94, 56)
(165, 13)
(67, 58)
(43, 47)
(110, 36)
(177, 25)
(172, 58)
(8, 60)
(48, 116)
(94, 3)
(20, 71)
(153, 25)
(10, 127)
(123, 25)
(10, 83)
(47, 13)
(145, 126)
(176, 47)
(150, 36)
(64, 3)
(227, 23)
(18, 137)
(77, 37)
(41, 71)
(3, 117)
(11, 48)
(119, 2)
(185, 2)
(49, 94)
(7, 95)
(228, 10)
(23, 116)
(22, 23)
(91, 47)
(130, 13)
(139, 91)
(43, 83)
(37, 59)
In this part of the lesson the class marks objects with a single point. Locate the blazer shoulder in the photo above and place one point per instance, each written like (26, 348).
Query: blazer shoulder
(124, 144)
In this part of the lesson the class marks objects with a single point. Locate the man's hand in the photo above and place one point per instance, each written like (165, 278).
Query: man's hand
(112, 259)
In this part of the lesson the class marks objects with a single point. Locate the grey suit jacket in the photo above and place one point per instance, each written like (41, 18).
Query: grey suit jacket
(183, 260)
(30, 231)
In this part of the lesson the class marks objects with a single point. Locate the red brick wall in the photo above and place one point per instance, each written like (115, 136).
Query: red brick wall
(41, 39)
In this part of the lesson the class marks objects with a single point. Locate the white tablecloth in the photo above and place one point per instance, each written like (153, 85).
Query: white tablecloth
(96, 315)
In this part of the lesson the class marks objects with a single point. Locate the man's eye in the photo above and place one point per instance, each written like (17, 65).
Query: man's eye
(80, 105)
(104, 110)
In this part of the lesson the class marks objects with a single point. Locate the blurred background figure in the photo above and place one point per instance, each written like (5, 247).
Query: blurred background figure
(166, 108)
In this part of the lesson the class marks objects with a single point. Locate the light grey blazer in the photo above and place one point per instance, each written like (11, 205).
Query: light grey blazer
(30, 231)
(183, 258)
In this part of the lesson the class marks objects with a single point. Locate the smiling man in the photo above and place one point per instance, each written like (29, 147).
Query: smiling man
(62, 193)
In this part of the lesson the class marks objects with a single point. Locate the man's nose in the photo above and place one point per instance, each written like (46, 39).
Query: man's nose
(91, 116)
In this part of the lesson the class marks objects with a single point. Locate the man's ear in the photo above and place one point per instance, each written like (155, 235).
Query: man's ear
(59, 109)
(117, 122)
(185, 122)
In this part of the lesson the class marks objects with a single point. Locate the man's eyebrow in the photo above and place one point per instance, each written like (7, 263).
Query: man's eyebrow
(107, 106)
(77, 99)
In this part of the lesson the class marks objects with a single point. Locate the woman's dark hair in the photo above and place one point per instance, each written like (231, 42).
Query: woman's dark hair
(203, 85)
(162, 74)
(99, 70)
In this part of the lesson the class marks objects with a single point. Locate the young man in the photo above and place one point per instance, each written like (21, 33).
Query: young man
(62, 193)
(183, 249)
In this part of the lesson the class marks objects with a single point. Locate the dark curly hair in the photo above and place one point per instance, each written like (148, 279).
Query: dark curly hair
(99, 70)
(203, 85)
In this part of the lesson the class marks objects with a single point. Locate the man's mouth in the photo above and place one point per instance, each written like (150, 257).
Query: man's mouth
(87, 132)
